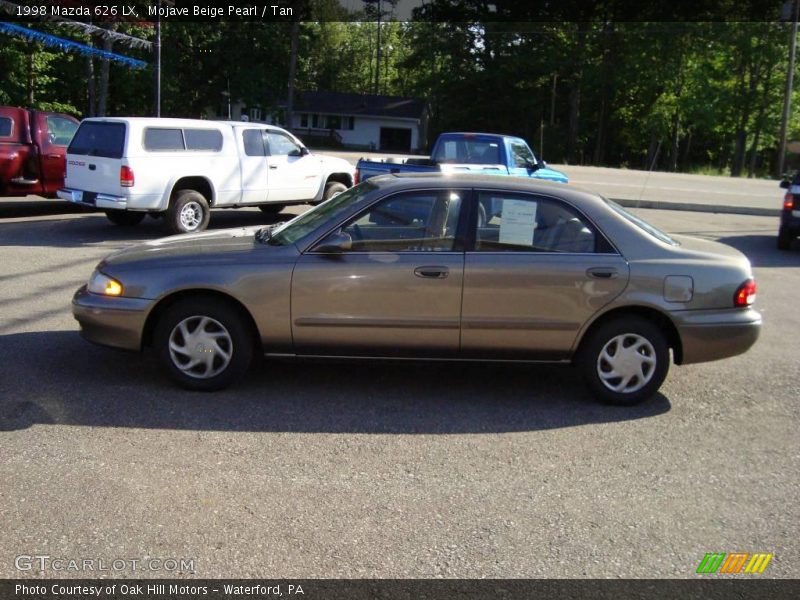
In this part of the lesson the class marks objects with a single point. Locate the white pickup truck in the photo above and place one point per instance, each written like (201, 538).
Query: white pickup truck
(181, 168)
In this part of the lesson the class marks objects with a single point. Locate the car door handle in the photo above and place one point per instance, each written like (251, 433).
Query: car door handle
(432, 272)
(273, 166)
(602, 272)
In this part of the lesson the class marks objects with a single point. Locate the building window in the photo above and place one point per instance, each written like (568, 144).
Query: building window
(349, 122)
(315, 120)
(255, 114)
(334, 122)
(304, 120)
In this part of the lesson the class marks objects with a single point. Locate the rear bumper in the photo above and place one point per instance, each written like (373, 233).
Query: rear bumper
(115, 322)
(142, 202)
(712, 335)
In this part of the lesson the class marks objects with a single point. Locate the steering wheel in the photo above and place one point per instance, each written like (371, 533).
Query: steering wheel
(356, 232)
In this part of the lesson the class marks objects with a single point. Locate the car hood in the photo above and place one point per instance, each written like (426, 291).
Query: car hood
(206, 247)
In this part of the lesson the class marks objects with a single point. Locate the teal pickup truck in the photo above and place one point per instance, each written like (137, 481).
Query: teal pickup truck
(486, 153)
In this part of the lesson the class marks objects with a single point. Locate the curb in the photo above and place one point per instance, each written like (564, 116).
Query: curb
(708, 208)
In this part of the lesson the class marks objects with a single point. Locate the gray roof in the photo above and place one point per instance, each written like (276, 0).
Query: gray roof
(360, 104)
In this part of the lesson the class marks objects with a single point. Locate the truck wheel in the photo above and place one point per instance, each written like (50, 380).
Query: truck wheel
(188, 212)
(784, 239)
(624, 361)
(124, 217)
(334, 188)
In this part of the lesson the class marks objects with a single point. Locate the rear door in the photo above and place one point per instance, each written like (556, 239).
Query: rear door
(253, 164)
(94, 158)
(538, 270)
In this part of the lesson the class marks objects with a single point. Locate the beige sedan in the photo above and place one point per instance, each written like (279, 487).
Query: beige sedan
(432, 267)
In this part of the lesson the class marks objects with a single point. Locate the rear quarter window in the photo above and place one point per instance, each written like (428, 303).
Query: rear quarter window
(6, 126)
(95, 138)
(203, 139)
(161, 139)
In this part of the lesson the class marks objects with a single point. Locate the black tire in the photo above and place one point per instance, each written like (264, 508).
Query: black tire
(625, 333)
(219, 330)
(333, 188)
(124, 218)
(188, 212)
(784, 239)
(271, 209)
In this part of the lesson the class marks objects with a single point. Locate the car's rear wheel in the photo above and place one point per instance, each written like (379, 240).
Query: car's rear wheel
(203, 344)
(784, 239)
(334, 188)
(124, 217)
(188, 212)
(625, 360)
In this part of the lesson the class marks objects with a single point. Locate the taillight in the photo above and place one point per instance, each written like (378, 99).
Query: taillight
(357, 178)
(788, 201)
(126, 176)
(746, 294)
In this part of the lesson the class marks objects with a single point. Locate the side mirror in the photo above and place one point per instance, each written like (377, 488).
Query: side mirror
(785, 184)
(532, 167)
(304, 151)
(335, 243)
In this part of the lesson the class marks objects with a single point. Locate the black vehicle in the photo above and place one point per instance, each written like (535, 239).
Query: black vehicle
(790, 216)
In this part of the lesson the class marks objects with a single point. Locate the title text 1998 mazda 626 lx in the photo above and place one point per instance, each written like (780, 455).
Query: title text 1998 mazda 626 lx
(432, 267)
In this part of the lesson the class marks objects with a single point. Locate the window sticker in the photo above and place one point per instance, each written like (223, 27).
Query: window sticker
(518, 220)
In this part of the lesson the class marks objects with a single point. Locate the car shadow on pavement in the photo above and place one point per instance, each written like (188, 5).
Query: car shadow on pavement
(57, 378)
(762, 250)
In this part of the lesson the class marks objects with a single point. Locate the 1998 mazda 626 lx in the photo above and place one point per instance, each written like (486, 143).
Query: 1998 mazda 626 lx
(432, 267)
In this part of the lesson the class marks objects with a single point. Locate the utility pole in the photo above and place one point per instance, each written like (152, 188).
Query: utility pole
(378, 63)
(157, 57)
(787, 97)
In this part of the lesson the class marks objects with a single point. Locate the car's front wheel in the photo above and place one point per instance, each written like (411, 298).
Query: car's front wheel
(625, 360)
(203, 344)
(334, 188)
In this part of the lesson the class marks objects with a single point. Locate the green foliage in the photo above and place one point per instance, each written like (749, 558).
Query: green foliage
(674, 95)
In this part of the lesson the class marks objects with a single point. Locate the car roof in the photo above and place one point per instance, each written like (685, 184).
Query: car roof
(409, 181)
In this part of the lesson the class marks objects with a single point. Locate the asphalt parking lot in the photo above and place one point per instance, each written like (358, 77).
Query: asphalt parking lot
(364, 470)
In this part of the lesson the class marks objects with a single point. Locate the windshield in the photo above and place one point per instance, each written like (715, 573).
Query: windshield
(644, 225)
(304, 224)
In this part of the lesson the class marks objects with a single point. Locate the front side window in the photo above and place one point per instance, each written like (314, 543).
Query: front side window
(521, 154)
(281, 145)
(60, 130)
(409, 222)
(161, 139)
(519, 223)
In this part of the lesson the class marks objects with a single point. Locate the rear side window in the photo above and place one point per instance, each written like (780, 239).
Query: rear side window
(95, 138)
(203, 139)
(5, 127)
(160, 139)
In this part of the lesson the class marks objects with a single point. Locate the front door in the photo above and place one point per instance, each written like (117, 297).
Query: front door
(393, 289)
(294, 174)
(538, 271)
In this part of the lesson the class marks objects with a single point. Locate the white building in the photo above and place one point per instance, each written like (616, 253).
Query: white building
(387, 123)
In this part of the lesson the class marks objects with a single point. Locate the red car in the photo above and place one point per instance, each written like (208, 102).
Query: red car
(33, 149)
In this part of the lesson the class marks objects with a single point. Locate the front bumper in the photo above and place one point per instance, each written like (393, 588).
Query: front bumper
(108, 321)
(712, 335)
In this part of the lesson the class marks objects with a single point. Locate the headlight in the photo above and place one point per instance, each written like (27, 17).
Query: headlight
(104, 285)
